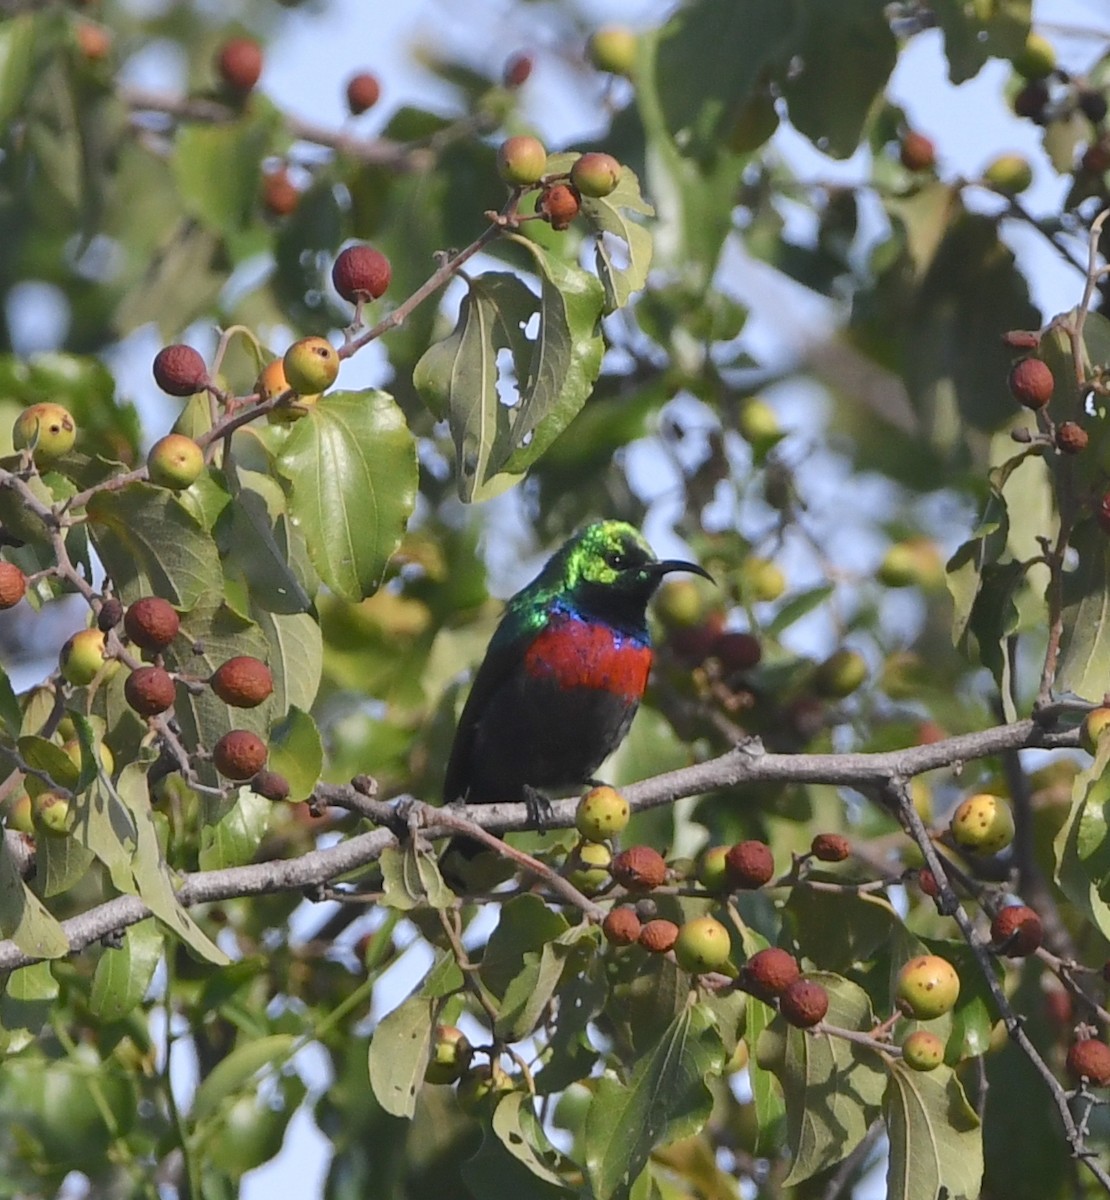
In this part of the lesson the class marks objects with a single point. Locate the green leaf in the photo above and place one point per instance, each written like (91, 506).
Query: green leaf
(45, 756)
(218, 169)
(965, 569)
(767, 1097)
(1082, 845)
(351, 466)
(936, 1147)
(11, 718)
(512, 1159)
(232, 1074)
(975, 32)
(666, 1099)
(796, 607)
(103, 825)
(29, 996)
(60, 862)
(151, 546)
(411, 879)
(516, 1126)
(23, 916)
(17, 63)
(297, 752)
(399, 1051)
(833, 1087)
(296, 658)
(234, 838)
(526, 925)
(528, 995)
(837, 930)
(122, 976)
(1084, 663)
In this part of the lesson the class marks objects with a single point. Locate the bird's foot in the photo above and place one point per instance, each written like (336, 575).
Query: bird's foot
(538, 806)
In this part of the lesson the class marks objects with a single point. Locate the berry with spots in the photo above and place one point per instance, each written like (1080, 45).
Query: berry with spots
(622, 926)
(47, 430)
(639, 869)
(830, 847)
(242, 682)
(927, 987)
(658, 936)
(589, 867)
(703, 944)
(151, 623)
(311, 365)
(239, 754)
(923, 1050)
(983, 824)
(768, 973)
(175, 462)
(602, 813)
(149, 691)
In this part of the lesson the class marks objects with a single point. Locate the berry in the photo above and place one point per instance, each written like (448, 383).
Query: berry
(768, 973)
(51, 812)
(1093, 105)
(804, 1003)
(94, 41)
(559, 204)
(151, 623)
(1009, 174)
(1030, 102)
(517, 70)
(363, 92)
(927, 987)
(1021, 339)
(521, 160)
(311, 365)
(450, 1057)
(1016, 931)
(595, 174)
(840, 674)
(175, 462)
(737, 651)
(749, 865)
(703, 944)
(149, 691)
(361, 273)
(983, 824)
(18, 815)
(73, 751)
(758, 424)
(239, 64)
(271, 380)
(762, 579)
(13, 585)
(1094, 725)
(110, 615)
(917, 152)
(639, 868)
(589, 864)
(658, 936)
(1071, 437)
(712, 873)
(613, 48)
(1096, 158)
(923, 1050)
(1031, 383)
(280, 195)
(1058, 1007)
(927, 882)
(83, 657)
(239, 754)
(622, 926)
(679, 604)
(481, 1085)
(1037, 58)
(1089, 1060)
(602, 813)
(695, 643)
(47, 430)
(180, 370)
(270, 785)
(830, 847)
(242, 682)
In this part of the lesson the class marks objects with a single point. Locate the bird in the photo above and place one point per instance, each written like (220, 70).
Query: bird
(563, 674)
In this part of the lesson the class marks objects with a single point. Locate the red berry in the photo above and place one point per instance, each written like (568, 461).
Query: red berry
(622, 926)
(151, 623)
(1016, 931)
(1021, 339)
(363, 91)
(749, 865)
(239, 754)
(517, 70)
(595, 174)
(658, 936)
(804, 1003)
(239, 64)
(149, 691)
(1096, 158)
(830, 847)
(559, 204)
(1090, 1060)
(927, 882)
(270, 785)
(695, 643)
(1071, 437)
(1058, 1007)
(180, 370)
(242, 682)
(917, 152)
(737, 651)
(280, 195)
(361, 273)
(1031, 383)
(521, 160)
(768, 973)
(639, 868)
(13, 585)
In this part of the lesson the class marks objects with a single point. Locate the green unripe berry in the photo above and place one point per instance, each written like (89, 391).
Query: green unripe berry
(762, 579)
(1094, 724)
(521, 160)
(18, 814)
(703, 944)
(983, 824)
(757, 423)
(51, 812)
(923, 1050)
(840, 674)
(927, 987)
(595, 174)
(450, 1057)
(712, 870)
(175, 462)
(481, 1085)
(1009, 174)
(613, 48)
(680, 604)
(83, 657)
(311, 365)
(48, 430)
(1037, 58)
(602, 813)
(589, 867)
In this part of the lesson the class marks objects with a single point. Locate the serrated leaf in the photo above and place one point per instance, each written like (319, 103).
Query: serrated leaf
(23, 916)
(833, 1087)
(666, 1099)
(123, 975)
(351, 467)
(526, 925)
(233, 1074)
(234, 838)
(399, 1050)
(936, 1146)
(151, 545)
(297, 752)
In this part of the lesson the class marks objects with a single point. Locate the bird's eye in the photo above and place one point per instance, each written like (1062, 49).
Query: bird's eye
(617, 559)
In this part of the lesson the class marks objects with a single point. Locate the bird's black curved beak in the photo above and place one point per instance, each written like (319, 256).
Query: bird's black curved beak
(677, 564)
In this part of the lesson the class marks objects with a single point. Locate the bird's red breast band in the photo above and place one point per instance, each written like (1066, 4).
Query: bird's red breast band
(574, 653)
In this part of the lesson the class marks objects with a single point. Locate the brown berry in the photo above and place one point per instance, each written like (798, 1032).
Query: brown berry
(658, 936)
(94, 41)
(280, 195)
(749, 865)
(270, 785)
(151, 623)
(1090, 1060)
(1058, 1007)
(361, 273)
(1030, 101)
(1096, 158)
(517, 70)
(917, 152)
(242, 682)
(639, 868)
(363, 91)
(927, 882)
(1016, 931)
(239, 64)
(830, 847)
(768, 973)
(1093, 105)
(694, 643)
(559, 204)
(149, 691)
(622, 926)
(13, 585)
(1031, 383)
(804, 1003)
(1071, 437)
(1021, 339)
(110, 615)
(239, 754)
(737, 651)
(180, 370)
